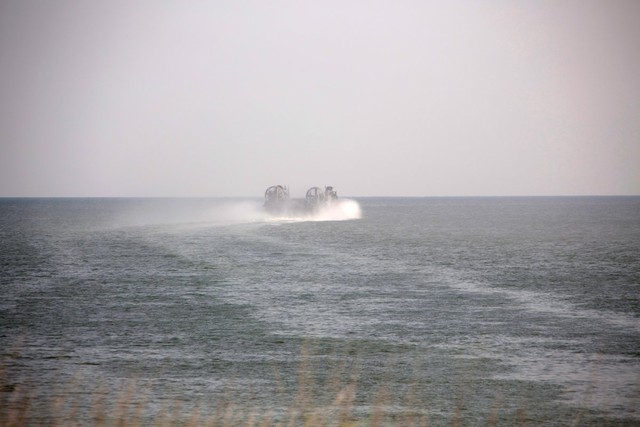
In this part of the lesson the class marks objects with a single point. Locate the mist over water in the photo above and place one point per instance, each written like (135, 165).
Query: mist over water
(204, 212)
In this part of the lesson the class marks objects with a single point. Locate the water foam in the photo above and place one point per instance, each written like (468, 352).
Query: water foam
(340, 210)
(547, 302)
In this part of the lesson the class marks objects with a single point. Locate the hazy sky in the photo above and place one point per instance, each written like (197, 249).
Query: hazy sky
(399, 98)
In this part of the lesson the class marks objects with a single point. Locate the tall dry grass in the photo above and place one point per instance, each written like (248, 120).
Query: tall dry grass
(319, 398)
(131, 407)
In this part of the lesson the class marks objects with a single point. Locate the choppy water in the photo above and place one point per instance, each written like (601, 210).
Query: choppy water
(455, 307)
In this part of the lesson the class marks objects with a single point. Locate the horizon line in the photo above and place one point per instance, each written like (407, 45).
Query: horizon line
(342, 197)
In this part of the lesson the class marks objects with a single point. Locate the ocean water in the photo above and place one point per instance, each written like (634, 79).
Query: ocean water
(512, 309)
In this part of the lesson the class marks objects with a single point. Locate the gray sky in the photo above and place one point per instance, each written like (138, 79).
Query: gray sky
(397, 98)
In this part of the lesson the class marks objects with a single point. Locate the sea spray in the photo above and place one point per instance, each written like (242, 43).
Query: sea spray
(220, 212)
(339, 210)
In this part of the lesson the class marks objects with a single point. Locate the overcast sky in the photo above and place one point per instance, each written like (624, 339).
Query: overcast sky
(377, 98)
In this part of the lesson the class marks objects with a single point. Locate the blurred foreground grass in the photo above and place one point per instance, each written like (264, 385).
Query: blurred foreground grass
(19, 406)
(76, 404)
(335, 397)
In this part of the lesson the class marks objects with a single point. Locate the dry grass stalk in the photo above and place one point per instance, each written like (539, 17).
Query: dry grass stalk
(493, 415)
(314, 403)
(17, 407)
